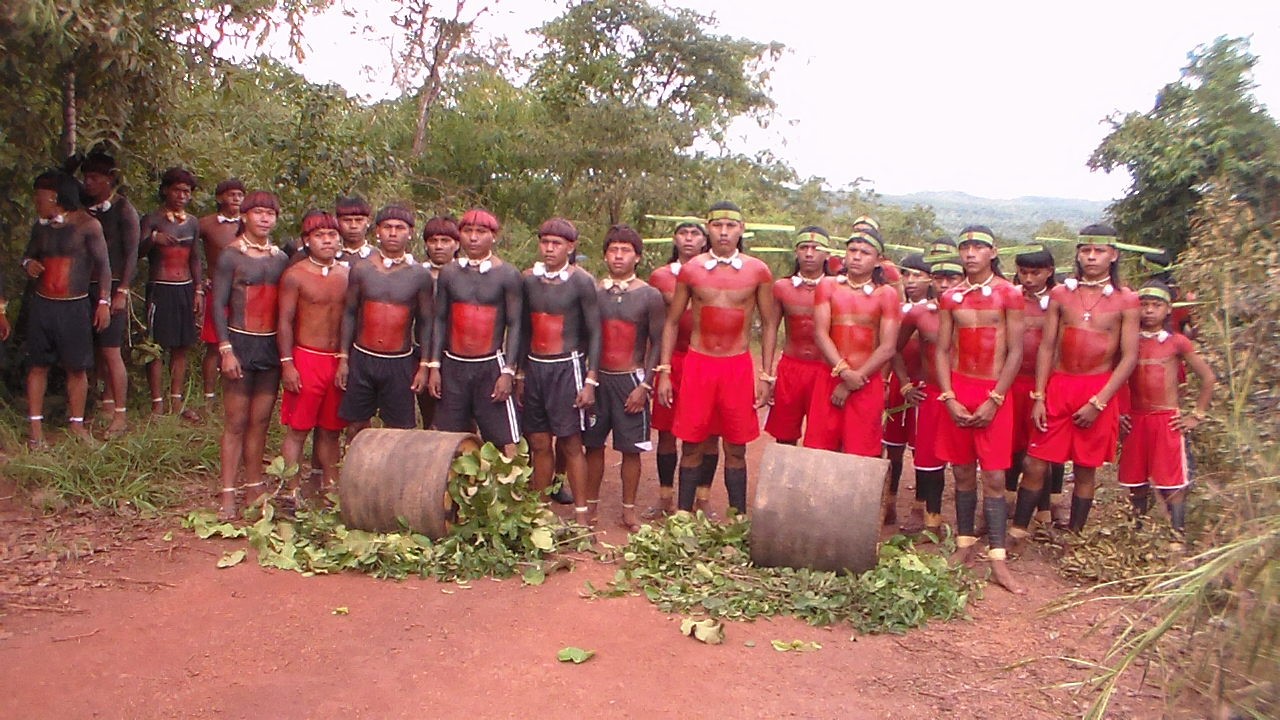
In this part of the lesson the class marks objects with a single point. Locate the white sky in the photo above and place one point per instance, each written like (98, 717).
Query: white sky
(997, 99)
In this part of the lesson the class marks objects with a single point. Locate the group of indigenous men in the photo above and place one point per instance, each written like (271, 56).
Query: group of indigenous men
(1003, 381)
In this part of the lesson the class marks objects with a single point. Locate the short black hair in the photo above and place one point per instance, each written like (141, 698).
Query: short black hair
(64, 185)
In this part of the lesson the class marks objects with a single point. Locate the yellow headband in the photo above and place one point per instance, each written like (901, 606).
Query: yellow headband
(974, 236)
(866, 238)
(813, 237)
(1110, 240)
(724, 215)
(1154, 292)
(946, 267)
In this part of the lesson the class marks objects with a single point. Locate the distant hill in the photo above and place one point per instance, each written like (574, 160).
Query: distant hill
(1015, 219)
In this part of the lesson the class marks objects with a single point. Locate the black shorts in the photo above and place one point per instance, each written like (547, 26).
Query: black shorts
(550, 388)
(60, 332)
(113, 336)
(466, 387)
(630, 432)
(171, 320)
(380, 385)
(255, 353)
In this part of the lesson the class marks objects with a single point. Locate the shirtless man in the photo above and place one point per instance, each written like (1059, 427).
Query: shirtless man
(900, 425)
(1155, 447)
(312, 297)
(476, 340)
(632, 313)
(978, 354)
(563, 320)
(168, 240)
(440, 238)
(66, 251)
(1035, 277)
(216, 230)
(1090, 348)
(920, 321)
(856, 318)
(690, 240)
(246, 311)
(801, 371)
(723, 288)
(353, 215)
(119, 222)
(386, 323)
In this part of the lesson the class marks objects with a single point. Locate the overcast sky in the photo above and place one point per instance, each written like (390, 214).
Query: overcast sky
(997, 99)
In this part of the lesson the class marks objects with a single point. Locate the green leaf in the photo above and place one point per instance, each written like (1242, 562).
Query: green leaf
(542, 539)
(232, 559)
(534, 576)
(576, 655)
(709, 631)
(795, 646)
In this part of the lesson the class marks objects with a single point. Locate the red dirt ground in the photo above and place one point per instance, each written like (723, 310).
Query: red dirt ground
(104, 617)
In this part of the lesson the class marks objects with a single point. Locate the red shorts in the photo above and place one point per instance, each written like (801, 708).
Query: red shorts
(1020, 398)
(207, 332)
(856, 428)
(717, 397)
(1089, 447)
(991, 446)
(1154, 453)
(793, 394)
(317, 404)
(900, 427)
(929, 416)
(664, 417)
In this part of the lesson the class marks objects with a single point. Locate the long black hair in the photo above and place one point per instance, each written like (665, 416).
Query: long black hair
(995, 261)
(706, 240)
(1040, 259)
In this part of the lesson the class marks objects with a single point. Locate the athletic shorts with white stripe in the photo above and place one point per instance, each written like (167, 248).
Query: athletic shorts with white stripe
(630, 431)
(551, 386)
(466, 402)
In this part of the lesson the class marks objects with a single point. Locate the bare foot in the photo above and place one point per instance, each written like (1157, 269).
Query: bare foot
(80, 432)
(964, 555)
(914, 523)
(582, 516)
(157, 408)
(656, 513)
(229, 511)
(593, 513)
(1017, 540)
(1002, 577)
(629, 521)
(191, 416)
(256, 494)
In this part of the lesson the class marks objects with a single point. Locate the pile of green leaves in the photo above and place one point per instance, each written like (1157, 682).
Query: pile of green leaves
(501, 529)
(689, 564)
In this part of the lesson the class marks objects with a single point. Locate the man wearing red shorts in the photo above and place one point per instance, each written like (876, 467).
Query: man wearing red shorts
(216, 230)
(801, 371)
(978, 354)
(900, 425)
(1154, 450)
(690, 241)
(723, 288)
(1092, 331)
(922, 394)
(856, 318)
(312, 297)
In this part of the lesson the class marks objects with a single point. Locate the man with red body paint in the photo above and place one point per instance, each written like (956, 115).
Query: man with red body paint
(907, 370)
(978, 354)
(476, 340)
(245, 315)
(1090, 349)
(440, 240)
(856, 318)
(175, 290)
(802, 371)
(690, 240)
(557, 386)
(216, 230)
(723, 288)
(66, 251)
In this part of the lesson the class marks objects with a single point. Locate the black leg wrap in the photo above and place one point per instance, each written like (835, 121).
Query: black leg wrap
(1028, 500)
(688, 487)
(1057, 473)
(1141, 504)
(667, 469)
(707, 472)
(1014, 473)
(996, 511)
(966, 508)
(735, 481)
(1079, 512)
(895, 474)
(1178, 517)
(929, 483)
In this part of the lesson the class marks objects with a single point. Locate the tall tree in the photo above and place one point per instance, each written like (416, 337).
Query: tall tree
(1206, 128)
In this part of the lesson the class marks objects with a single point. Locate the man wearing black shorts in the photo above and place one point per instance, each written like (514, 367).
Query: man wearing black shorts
(559, 382)
(245, 315)
(217, 230)
(168, 240)
(479, 308)
(631, 316)
(119, 222)
(65, 251)
(440, 238)
(388, 307)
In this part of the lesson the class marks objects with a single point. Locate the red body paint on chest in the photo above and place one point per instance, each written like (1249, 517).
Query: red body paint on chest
(618, 345)
(55, 281)
(547, 334)
(260, 308)
(976, 351)
(1083, 351)
(854, 342)
(1154, 383)
(800, 340)
(174, 262)
(383, 326)
(471, 329)
(721, 327)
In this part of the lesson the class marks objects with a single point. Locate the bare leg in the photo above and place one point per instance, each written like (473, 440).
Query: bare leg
(595, 472)
(630, 485)
(155, 371)
(291, 448)
(117, 388)
(77, 396)
(326, 452)
(575, 467)
(262, 401)
(235, 407)
(542, 458)
(37, 382)
(209, 371)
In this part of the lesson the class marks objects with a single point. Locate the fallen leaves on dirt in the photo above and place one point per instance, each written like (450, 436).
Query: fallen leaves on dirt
(575, 655)
(709, 631)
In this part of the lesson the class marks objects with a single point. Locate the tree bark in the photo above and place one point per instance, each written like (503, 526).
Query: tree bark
(67, 144)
